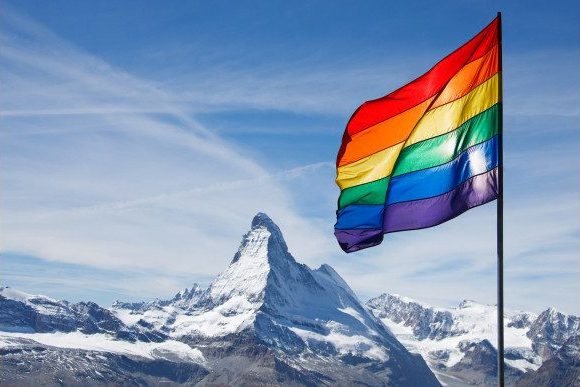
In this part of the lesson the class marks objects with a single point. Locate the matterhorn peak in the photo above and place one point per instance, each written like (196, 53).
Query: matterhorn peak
(261, 250)
(263, 220)
(264, 240)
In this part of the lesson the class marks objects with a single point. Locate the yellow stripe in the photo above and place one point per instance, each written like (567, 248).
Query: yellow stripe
(446, 118)
(370, 168)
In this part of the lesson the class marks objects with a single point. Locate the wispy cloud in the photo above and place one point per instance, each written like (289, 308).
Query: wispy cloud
(188, 194)
(115, 172)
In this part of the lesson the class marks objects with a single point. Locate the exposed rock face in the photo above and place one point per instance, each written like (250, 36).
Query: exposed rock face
(21, 312)
(521, 320)
(562, 369)
(425, 321)
(551, 330)
(478, 366)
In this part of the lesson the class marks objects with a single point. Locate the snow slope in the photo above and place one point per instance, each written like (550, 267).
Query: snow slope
(105, 343)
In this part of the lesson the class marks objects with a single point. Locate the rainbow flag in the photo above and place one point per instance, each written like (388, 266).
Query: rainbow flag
(426, 152)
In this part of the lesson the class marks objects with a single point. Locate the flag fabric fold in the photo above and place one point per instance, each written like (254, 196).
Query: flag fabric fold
(424, 153)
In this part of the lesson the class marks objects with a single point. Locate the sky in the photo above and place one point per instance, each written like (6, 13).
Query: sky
(139, 138)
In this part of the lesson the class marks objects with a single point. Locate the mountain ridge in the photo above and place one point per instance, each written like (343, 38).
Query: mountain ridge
(459, 342)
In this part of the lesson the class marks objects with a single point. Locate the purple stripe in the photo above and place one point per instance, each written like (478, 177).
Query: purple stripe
(429, 212)
(353, 240)
(424, 213)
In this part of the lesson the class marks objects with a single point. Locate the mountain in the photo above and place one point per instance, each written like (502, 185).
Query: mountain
(266, 319)
(459, 343)
(551, 330)
(44, 341)
(561, 369)
(21, 312)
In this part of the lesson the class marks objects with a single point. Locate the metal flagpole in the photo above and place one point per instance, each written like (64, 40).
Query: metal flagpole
(500, 341)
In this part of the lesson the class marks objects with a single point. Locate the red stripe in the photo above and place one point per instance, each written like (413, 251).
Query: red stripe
(372, 112)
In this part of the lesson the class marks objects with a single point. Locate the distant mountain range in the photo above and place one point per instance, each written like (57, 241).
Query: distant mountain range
(459, 344)
(268, 320)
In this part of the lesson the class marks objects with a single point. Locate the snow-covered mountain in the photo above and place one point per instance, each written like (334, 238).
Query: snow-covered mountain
(21, 312)
(459, 344)
(44, 341)
(561, 369)
(266, 319)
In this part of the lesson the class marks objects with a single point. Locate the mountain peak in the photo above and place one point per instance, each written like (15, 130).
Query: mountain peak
(261, 249)
(263, 240)
(393, 298)
(17, 295)
(468, 304)
(263, 220)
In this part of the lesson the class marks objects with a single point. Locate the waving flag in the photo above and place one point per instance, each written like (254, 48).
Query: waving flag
(424, 153)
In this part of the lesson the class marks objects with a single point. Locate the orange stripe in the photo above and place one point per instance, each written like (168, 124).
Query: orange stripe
(398, 128)
(468, 78)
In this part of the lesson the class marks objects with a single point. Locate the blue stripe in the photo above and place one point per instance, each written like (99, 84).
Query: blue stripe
(435, 181)
(357, 216)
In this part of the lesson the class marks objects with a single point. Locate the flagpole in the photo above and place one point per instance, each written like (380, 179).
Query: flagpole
(500, 334)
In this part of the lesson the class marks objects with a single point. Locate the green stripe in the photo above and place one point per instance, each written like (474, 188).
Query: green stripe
(426, 154)
(369, 193)
(442, 149)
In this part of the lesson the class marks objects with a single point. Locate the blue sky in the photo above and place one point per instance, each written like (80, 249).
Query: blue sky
(138, 139)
